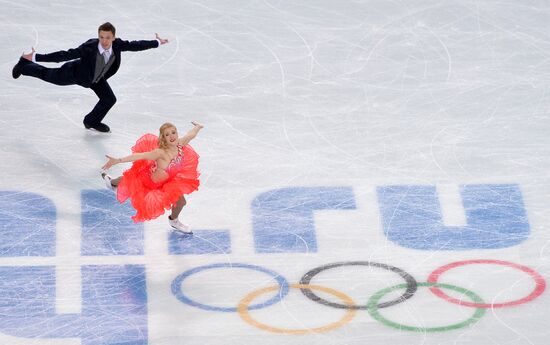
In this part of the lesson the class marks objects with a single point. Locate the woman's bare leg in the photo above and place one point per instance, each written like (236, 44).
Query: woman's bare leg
(116, 181)
(176, 209)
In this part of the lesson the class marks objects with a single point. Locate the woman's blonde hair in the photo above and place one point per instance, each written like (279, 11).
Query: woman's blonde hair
(162, 141)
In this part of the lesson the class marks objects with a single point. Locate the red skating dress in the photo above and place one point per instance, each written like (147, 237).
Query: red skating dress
(151, 199)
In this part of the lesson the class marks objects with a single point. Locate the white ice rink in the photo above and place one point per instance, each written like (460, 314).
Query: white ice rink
(392, 155)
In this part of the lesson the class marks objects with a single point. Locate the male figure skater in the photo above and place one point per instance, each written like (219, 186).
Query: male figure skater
(89, 65)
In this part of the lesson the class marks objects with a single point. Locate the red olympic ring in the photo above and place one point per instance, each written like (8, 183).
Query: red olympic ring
(539, 281)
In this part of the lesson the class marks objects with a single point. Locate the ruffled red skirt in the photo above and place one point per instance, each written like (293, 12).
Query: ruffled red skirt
(151, 199)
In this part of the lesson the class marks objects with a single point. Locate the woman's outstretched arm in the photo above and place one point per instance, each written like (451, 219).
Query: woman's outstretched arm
(151, 155)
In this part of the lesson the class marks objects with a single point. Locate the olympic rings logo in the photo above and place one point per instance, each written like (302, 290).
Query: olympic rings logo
(372, 306)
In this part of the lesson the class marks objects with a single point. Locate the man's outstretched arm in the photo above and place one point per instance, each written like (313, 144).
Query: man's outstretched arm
(141, 45)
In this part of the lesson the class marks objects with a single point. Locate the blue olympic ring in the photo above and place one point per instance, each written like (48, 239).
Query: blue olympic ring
(176, 287)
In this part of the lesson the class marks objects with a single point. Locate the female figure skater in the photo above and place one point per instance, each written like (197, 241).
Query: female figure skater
(164, 169)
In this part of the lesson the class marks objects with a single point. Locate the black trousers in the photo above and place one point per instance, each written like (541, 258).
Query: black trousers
(64, 76)
(106, 101)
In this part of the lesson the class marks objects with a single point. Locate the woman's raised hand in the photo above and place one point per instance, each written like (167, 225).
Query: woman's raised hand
(196, 124)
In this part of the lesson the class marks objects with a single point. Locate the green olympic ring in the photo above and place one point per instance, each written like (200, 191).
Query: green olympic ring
(372, 308)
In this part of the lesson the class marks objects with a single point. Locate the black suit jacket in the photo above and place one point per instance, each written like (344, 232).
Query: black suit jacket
(81, 60)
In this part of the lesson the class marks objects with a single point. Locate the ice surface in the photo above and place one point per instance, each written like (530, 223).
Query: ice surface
(387, 139)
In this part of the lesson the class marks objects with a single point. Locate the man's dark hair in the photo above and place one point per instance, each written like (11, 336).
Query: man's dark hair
(107, 27)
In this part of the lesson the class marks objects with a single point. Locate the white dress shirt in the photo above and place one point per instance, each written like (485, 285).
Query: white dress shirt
(101, 50)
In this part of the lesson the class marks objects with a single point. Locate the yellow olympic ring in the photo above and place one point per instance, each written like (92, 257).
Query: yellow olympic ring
(242, 309)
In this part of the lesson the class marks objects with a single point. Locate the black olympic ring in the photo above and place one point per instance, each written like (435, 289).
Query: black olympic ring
(412, 285)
